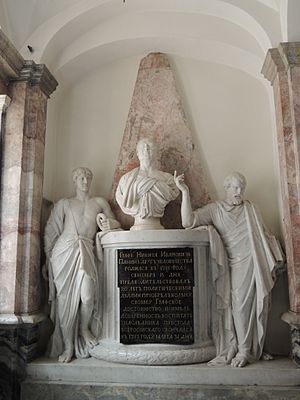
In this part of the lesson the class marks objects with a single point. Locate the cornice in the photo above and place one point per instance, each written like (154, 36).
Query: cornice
(38, 74)
(11, 62)
(13, 68)
(281, 59)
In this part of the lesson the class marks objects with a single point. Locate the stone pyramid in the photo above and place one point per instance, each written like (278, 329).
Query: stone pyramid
(156, 112)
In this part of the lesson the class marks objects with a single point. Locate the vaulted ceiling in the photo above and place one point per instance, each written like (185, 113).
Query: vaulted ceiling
(74, 37)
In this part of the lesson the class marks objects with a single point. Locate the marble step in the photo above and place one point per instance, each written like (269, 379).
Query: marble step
(93, 379)
(278, 372)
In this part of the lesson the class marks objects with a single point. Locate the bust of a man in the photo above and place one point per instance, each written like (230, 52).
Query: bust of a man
(145, 191)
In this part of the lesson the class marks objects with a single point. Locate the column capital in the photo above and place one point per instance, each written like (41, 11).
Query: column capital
(280, 59)
(290, 52)
(38, 74)
(14, 68)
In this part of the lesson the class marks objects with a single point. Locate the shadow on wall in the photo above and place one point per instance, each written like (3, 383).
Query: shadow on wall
(45, 327)
(278, 340)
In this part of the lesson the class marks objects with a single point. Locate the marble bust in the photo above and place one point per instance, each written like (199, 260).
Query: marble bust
(74, 287)
(253, 255)
(145, 191)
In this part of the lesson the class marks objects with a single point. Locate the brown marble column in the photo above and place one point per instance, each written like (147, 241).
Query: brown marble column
(28, 85)
(282, 69)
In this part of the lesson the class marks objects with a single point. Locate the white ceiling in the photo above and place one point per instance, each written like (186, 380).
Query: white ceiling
(75, 36)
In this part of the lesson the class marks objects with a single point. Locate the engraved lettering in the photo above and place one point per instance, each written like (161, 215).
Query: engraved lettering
(156, 295)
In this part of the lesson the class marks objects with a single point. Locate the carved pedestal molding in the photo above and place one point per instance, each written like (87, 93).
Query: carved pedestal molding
(22, 165)
(282, 69)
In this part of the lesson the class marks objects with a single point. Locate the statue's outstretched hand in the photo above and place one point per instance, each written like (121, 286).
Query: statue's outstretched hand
(179, 181)
(103, 222)
(107, 224)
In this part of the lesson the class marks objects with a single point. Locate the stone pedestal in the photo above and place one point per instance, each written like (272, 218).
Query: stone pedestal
(110, 347)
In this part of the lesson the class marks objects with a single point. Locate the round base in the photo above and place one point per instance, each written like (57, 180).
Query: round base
(147, 224)
(153, 354)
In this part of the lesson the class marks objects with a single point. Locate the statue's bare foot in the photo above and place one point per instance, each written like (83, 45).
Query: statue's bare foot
(266, 357)
(239, 361)
(66, 356)
(91, 341)
(230, 355)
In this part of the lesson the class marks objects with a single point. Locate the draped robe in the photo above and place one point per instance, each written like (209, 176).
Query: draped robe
(252, 255)
(71, 257)
(143, 196)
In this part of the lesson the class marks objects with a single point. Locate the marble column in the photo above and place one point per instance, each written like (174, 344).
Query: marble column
(28, 86)
(282, 69)
(21, 193)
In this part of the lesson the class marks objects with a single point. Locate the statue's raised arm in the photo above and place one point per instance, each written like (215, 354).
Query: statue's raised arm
(253, 256)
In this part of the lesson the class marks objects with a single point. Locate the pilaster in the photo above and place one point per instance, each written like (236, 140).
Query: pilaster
(282, 69)
(26, 87)
(21, 190)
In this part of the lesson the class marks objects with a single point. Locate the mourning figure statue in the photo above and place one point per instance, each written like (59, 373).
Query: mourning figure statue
(253, 255)
(74, 287)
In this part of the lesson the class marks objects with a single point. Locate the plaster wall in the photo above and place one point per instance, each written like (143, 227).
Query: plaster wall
(228, 110)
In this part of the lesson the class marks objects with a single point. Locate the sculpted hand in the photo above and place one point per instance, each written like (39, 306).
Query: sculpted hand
(179, 181)
(107, 224)
(103, 222)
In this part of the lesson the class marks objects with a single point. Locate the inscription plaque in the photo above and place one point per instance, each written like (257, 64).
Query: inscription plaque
(156, 295)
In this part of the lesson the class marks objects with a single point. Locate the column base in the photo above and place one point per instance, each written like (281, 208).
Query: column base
(293, 319)
(19, 345)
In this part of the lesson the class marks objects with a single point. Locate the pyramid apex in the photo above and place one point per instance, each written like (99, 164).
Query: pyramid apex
(155, 60)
